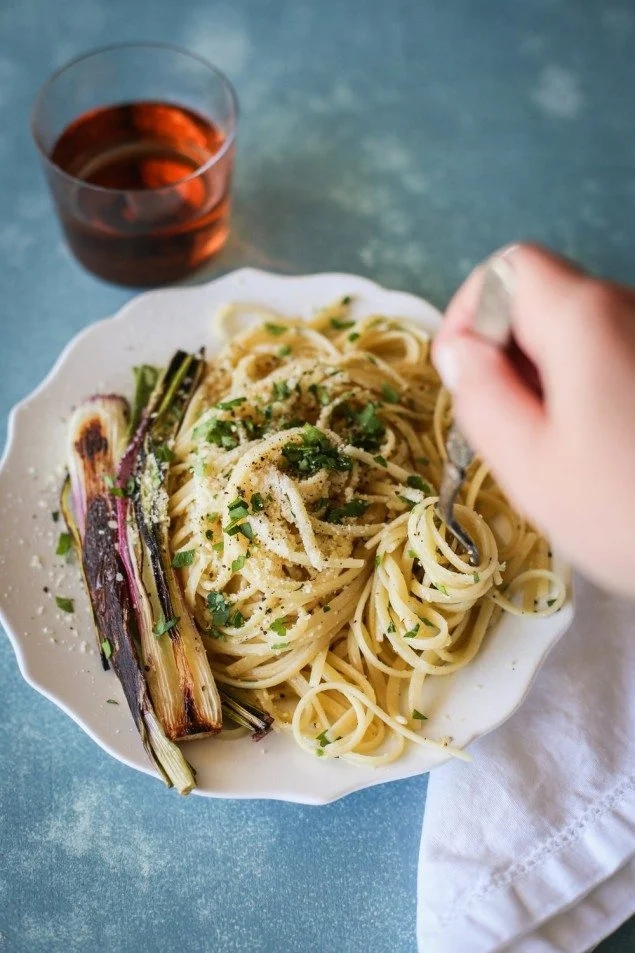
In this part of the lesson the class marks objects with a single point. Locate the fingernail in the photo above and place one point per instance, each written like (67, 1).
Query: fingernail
(447, 364)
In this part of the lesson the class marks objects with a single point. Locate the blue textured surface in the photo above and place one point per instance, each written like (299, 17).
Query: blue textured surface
(402, 140)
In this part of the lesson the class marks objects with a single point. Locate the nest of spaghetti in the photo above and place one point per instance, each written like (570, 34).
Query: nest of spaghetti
(302, 513)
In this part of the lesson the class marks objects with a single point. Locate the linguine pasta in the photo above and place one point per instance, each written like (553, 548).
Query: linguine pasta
(302, 502)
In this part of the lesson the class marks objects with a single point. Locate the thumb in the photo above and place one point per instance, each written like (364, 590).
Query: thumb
(500, 415)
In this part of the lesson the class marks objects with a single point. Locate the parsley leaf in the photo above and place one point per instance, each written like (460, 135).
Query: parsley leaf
(476, 577)
(183, 558)
(222, 433)
(66, 605)
(380, 460)
(280, 645)
(55, 515)
(417, 483)
(391, 628)
(417, 714)
(409, 503)
(164, 454)
(551, 602)
(219, 608)
(354, 336)
(164, 625)
(238, 563)
(364, 428)
(316, 452)
(412, 632)
(389, 393)
(324, 741)
(228, 404)
(257, 503)
(275, 329)
(378, 559)
(106, 648)
(354, 507)
(279, 627)
(281, 390)
(64, 544)
(341, 325)
(284, 350)
(320, 393)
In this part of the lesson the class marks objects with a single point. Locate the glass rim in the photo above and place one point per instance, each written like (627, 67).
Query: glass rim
(171, 47)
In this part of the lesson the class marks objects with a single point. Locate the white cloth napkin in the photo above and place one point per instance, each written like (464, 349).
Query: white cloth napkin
(531, 848)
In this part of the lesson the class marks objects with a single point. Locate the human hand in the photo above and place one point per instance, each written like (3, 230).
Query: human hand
(556, 422)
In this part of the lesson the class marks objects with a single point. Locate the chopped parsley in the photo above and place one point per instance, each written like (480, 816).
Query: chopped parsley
(423, 460)
(354, 336)
(164, 454)
(229, 404)
(326, 608)
(389, 393)
(417, 714)
(106, 649)
(257, 503)
(66, 605)
(430, 624)
(275, 329)
(219, 547)
(237, 620)
(551, 602)
(55, 515)
(391, 628)
(316, 452)
(284, 350)
(320, 393)
(440, 587)
(222, 433)
(364, 428)
(278, 626)
(219, 608)
(411, 553)
(281, 390)
(380, 460)
(111, 701)
(238, 509)
(183, 558)
(354, 507)
(417, 483)
(409, 503)
(411, 633)
(246, 529)
(280, 645)
(120, 491)
(64, 544)
(212, 517)
(164, 625)
(341, 325)
(476, 577)
(378, 559)
(238, 563)
(324, 741)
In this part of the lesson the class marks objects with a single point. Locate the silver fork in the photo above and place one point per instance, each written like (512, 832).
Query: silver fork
(493, 322)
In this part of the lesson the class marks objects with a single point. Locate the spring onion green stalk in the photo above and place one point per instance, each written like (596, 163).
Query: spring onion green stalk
(145, 380)
(98, 433)
(179, 677)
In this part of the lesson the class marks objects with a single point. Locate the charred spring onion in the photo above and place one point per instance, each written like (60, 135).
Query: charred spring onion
(115, 502)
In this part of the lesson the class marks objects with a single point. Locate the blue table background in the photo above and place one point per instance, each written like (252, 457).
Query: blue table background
(400, 139)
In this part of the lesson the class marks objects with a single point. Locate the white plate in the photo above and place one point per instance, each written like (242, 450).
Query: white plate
(61, 662)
